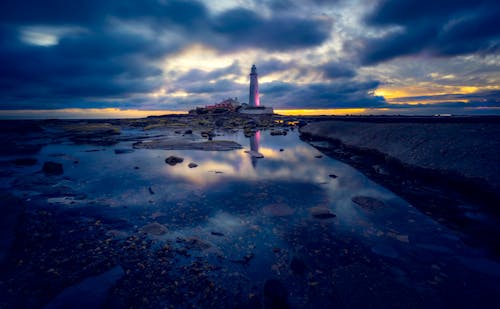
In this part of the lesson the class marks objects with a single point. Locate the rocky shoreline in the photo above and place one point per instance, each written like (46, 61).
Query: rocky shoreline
(440, 167)
(61, 243)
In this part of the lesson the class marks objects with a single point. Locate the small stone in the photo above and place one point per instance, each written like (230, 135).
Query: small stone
(192, 165)
(318, 156)
(154, 228)
(52, 168)
(320, 212)
(216, 233)
(122, 151)
(332, 176)
(188, 132)
(173, 160)
(281, 149)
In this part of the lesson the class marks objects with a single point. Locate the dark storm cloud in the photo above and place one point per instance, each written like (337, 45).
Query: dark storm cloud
(338, 94)
(220, 86)
(334, 70)
(440, 28)
(86, 12)
(274, 65)
(245, 28)
(95, 65)
(96, 58)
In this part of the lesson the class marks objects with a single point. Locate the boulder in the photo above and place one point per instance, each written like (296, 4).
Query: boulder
(173, 160)
(155, 229)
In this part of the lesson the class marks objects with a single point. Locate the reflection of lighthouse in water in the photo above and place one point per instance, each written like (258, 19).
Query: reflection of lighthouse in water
(254, 148)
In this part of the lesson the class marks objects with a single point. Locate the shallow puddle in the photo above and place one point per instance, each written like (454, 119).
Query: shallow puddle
(276, 209)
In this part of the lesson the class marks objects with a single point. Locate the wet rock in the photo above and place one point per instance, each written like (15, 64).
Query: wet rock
(151, 191)
(318, 156)
(155, 229)
(173, 160)
(277, 132)
(298, 266)
(332, 176)
(320, 212)
(275, 294)
(380, 170)
(122, 151)
(207, 134)
(188, 132)
(217, 233)
(90, 293)
(256, 154)
(192, 165)
(368, 202)
(321, 144)
(52, 168)
(250, 124)
(98, 133)
(281, 149)
(184, 144)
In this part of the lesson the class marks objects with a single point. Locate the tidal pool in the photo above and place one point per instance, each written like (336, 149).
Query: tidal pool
(294, 228)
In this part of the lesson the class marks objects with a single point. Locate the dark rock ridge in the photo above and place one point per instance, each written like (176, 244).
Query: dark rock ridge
(465, 149)
(178, 144)
(438, 165)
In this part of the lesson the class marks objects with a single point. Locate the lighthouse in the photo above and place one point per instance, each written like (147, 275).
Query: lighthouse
(253, 107)
(253, 100)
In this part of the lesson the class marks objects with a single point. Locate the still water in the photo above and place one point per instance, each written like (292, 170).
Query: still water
(253, 218)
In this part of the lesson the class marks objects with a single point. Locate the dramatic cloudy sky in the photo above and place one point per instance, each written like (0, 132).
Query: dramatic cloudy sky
(392, 55)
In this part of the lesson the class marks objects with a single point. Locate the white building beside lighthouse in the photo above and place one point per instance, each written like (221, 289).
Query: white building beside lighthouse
(254, 106)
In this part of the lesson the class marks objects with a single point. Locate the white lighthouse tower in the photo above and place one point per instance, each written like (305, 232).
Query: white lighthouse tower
(253, 100)
(254, 106)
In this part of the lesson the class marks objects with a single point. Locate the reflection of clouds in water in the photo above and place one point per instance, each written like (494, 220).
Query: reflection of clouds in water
(297, 162)
(225, 222)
